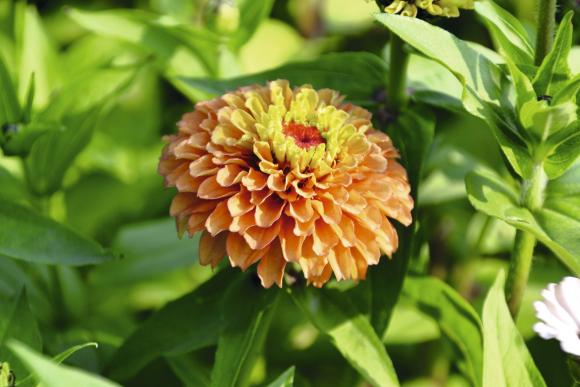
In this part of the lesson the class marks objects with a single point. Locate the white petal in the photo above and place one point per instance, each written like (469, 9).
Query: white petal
(571, 345)
(559, 310)
(545, 314)
(546, 332)
(568, 293)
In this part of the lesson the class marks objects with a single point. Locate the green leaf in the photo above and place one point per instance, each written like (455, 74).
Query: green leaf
(18, 322)
(412, 134)
(568, 92)
(350, 332)
(563, 155)
(523, 86)
(178, 50)
(11, 187)
(252, 13)
(474, 69)
(286, 379)
(544, 120)
(50, 374)
(555, 225)
(38, 56)
(54, 151)
(9, 106)
(358, 81)
(189, 371)
(507, 32)
(72, 350)
(554, 71)
(184, 325)
(148, 249)
(247, 310)
(456, 318)
(506, 360)
(31, 237)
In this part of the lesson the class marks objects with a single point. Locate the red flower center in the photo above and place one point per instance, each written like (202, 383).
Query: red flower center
(304, 136)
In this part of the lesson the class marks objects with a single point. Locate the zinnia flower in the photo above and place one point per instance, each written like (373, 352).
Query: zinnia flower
(447, 8)
(560, 314)
(275, 175)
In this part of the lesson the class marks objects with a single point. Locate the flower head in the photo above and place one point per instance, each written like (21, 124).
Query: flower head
(559, 313)
(447, 8)
(276, 175)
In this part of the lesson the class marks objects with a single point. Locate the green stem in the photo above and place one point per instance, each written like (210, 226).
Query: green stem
(397, 94)
(523, 251)
(546, 26)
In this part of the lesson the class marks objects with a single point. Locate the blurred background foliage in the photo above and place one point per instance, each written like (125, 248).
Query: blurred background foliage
(132, 64)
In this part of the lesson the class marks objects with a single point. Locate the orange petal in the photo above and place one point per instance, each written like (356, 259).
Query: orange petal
(387, 238)
(203, 167)
(291, 244)
(324, 238)
(269, 211)
(258, 237)
(230, 174)
(271, 267)
(212, 249)
(242, 223)
(319, 280)
(196, 222)
(301, 210)
(240, 203)
(210, 189)
(219, 220)
(254, 180)
(240, 253)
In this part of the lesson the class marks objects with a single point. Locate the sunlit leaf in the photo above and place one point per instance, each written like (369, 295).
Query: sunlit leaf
(506, 361)
(28, 236)
(50, 374)
(350, 332)
(286, 379)
(456, 318)
(554, 225)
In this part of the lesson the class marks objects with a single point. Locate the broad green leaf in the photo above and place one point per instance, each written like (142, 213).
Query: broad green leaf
(50, 374)
(523, 86)
(189, 371)
(247, 310)
(38, 56)
(72, 350)
(148, 249)
(28, 236)
(508, 33)
(555, 225)
(554, 71)
(182, 326)
(412, 134)
(456, 318)
(78, 110)
(544, 120)
(563, 155)
(11, 187)
(506, 360)
(252, 13)
(18, 322)
(350, 332)
(407, 314)
(53, 153)
(358, 81)
(9, 106)
(179, 50)
(286, 379)
(568, 92)
(474, 69)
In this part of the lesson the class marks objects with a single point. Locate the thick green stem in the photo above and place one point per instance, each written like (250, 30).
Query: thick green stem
(546, 26)
(523, 251)
(396, 92)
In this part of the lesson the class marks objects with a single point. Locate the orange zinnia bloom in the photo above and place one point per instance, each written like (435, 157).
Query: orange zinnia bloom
(274, 175)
